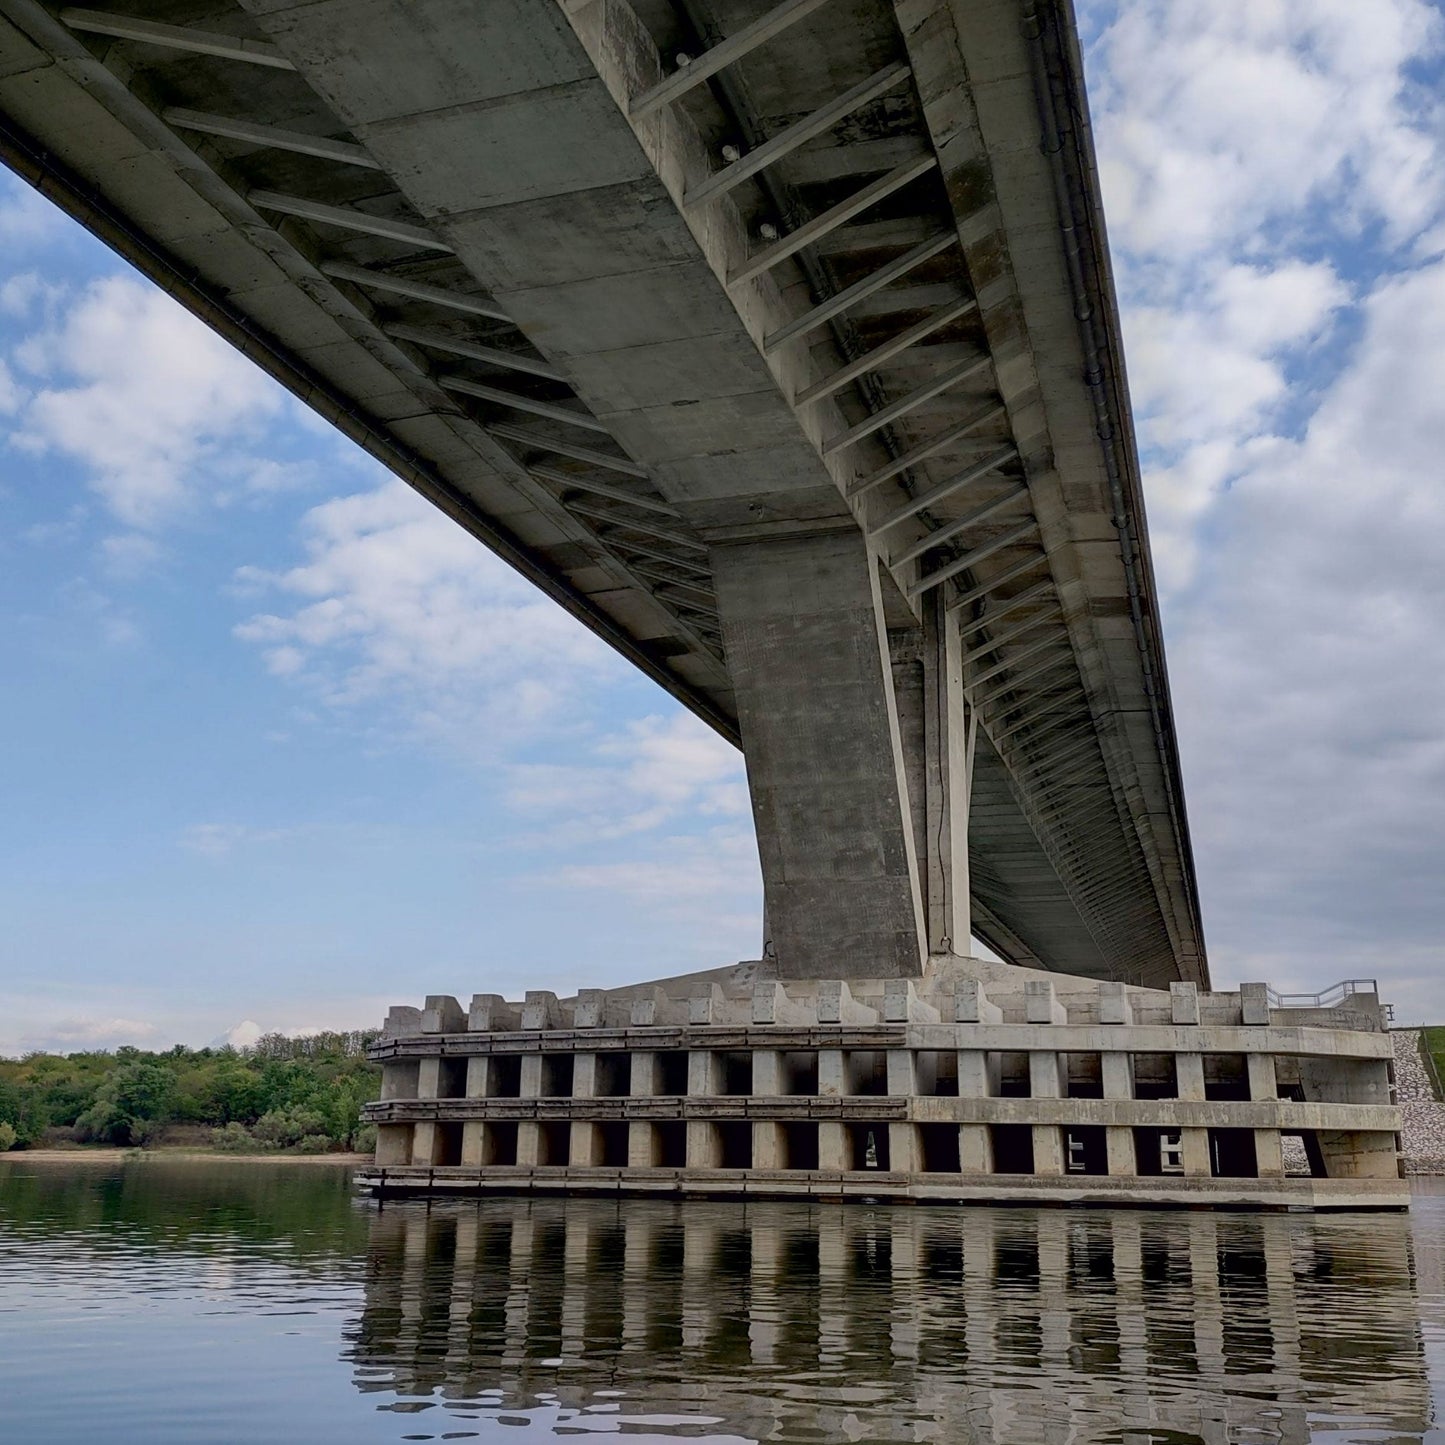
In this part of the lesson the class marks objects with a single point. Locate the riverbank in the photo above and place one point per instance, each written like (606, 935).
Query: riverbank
(107, 1154)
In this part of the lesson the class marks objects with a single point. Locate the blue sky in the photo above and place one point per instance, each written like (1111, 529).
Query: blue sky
(281, 744)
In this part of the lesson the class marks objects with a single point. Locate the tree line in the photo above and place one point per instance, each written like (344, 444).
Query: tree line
(301, 1094)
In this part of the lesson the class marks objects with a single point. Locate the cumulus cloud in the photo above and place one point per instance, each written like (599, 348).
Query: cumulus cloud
(1273, 177)
(395, 604)
(220, 840)
(161, 413)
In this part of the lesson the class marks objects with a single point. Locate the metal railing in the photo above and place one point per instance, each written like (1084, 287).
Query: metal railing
(1332, 997)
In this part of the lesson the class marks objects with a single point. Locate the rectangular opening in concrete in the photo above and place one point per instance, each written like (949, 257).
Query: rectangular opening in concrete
(1226, 1078)
(1158, 1151)
(865, 1071)
(938, 1145)
(799, 1071)
(672, 1072)
(1008, 1074)
(506, 1076)
(671, 1142)
(499, 1143)
(735, 1143)
(613, 1079)
(735, 1072)
(448, 1145)
(1086, 1149)
(1155, 1076)
(612, 1137)
(867, 1145)
(1083, 1076)
(937, 1072)
(554, 1142)
(557, 1071)
(1231, 1154)
(800, 1144)
(1013, 1148)
(451, 1079)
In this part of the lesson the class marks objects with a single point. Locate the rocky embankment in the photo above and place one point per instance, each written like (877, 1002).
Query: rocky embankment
(1422, 1134)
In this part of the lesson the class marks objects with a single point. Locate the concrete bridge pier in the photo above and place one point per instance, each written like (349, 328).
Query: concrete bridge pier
(858, 749)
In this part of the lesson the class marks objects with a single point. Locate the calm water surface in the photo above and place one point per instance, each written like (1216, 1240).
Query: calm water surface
(220, 1302)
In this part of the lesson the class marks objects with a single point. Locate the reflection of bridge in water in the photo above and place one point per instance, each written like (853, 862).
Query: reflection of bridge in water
(790, 1322)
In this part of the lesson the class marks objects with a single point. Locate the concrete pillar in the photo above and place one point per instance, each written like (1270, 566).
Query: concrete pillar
(529, 1144)
(1048, 1149)
(767, 1072)
(832, 1079)
(393, 1145)
(904, 1152)
(641, 1145)
(479, 1076)
(1189, 1071)
(973, 1074)
(428, 1078)
(584, 1076)
(424, 1143)
(531, 1086)
(1196, 1152)
(975, 1149)
(768, 1149)
(1118, 1076)
(585, 1145)
(703, 1070)
(473, 1144)
(1263, 1082)
(802, 621)
(1267, 1153)
(832, 1145)
(1045, 1077)
(704, 1145)
(902, 1073)
(642, 1082)
(1119, 1142)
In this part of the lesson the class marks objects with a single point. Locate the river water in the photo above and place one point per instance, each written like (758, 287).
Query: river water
(155, 1301)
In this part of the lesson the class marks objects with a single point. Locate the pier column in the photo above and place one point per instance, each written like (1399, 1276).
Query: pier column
(807, 647)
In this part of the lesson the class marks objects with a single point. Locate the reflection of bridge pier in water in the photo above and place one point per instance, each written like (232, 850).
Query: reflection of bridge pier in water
(788, 1321)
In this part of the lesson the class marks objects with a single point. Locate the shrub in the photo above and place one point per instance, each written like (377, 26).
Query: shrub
(312, 1144)
(234, 1139)
(363, 1139)
(284, 1127)
(8, 1137)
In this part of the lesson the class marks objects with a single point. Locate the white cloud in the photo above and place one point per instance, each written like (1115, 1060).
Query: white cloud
(239, 1036)
(397, 605)
(128, 555)
(158, 409)
(1253, 157)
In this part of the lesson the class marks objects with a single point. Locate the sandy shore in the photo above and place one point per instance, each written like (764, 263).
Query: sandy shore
(171, 1156)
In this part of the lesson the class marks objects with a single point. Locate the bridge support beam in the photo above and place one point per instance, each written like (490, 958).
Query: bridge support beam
(859, 750)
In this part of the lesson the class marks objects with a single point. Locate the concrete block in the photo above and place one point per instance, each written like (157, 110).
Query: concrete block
(1196, 1153)
(902, 1074)
(1254, 1003)
(832, 1146)
(393, 1145)
(540, 1010)
(531, 1086)
(768, 1150)
(591, 1010)
(836, 1004)
(641, 1145)
(1041, 1004)
(472, 1145)
(585, 1146)
(1263, 1080)
(529, 1143)
(704, 1145)
(832, 1077)
(767, 1072)
(584, 1076)
(705, 1007)
(645, 1006)
(904, 1154)
(971, 1005)
(428, 1079)
(1118, 1075)
(442, 1015)
(975, 1149)
(1048, 1150)
(973, 1082)
(902, 1004)
(1268, 1156)
(401, 1023)
(1045, 1074)
(703, 1072)
(642, 1083)
(491, 1013)
(1184, 1003)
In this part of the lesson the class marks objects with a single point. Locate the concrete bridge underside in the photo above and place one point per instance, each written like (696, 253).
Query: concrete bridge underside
(776, 342)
